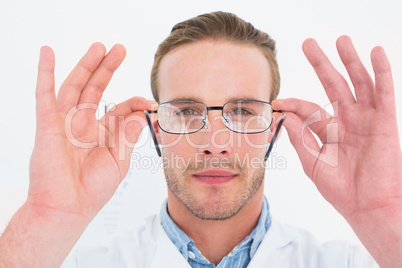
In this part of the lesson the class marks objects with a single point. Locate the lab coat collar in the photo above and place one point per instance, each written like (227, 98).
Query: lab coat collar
(275, 239)
(166, 253)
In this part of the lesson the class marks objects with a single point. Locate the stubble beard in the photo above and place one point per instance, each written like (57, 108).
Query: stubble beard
(217, 206)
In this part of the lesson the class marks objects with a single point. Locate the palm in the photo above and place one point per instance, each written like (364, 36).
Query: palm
(361, 177)
(78, 161)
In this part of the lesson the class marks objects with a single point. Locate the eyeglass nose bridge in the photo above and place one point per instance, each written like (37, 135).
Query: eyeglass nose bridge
(215, 108)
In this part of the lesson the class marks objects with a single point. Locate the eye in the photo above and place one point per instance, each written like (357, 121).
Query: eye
(240, 111)
(188, 111)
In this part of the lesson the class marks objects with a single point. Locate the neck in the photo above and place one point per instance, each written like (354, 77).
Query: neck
(216, 239)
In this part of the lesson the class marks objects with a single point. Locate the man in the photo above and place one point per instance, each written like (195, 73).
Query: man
(214, 77)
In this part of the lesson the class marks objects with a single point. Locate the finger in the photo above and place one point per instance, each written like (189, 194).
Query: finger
(335, 85)
(303, 141)
(361, 79)
(313, 116)
(125, 109)
(70, 90)
(45, 95)
(384, 85)
(99, 80)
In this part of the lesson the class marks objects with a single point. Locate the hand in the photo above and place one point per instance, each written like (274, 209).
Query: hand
(78, 162)
(358, 168)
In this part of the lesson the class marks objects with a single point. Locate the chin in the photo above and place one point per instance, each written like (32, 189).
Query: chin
(214, 207)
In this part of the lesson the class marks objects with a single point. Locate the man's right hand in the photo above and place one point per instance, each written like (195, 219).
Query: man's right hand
(77, 162)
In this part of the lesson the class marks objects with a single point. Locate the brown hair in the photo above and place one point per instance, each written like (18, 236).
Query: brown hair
(217, 25)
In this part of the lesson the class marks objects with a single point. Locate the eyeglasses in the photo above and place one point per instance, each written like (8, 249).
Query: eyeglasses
(240, 116)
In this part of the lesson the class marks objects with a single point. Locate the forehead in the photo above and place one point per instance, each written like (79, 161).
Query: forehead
(214, 72)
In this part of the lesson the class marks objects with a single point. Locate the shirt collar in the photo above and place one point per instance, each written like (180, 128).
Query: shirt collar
(258, 234)
(178, 237)
(184, 242)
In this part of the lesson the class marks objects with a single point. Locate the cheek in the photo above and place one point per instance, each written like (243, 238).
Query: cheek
(176, 153)
(254, 143)
(177, 144)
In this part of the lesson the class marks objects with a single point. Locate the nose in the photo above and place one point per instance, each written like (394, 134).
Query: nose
(216, 137)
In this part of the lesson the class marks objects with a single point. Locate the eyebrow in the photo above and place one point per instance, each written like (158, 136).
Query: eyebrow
(241, 98)
(186, 99)
(183, 98)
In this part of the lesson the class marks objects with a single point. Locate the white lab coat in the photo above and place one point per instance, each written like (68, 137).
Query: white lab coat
(283, 246)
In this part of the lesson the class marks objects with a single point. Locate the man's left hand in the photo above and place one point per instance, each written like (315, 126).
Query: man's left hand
(358, 167)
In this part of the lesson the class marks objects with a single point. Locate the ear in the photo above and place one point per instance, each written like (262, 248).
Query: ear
(274, 127)
(157, 131)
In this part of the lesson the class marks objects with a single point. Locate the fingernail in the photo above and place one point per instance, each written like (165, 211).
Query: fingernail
(153, 104)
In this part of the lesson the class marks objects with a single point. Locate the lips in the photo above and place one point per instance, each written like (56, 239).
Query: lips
(215, 176)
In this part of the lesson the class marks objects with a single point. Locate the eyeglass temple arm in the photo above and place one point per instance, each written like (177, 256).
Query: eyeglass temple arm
(151, 128)
(271, 145)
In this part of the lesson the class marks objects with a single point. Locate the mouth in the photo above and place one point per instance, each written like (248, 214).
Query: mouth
(215, 176)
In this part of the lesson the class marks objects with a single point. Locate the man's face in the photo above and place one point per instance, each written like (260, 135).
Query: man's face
(214, 172)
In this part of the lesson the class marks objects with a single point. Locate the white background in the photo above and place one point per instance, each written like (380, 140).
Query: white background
(70, 27)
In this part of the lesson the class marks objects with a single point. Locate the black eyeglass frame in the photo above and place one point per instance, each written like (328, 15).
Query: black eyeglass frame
(213, 108)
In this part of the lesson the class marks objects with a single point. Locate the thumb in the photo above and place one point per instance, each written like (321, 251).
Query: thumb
(129, 133)
(133, 126)
(303, 141)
